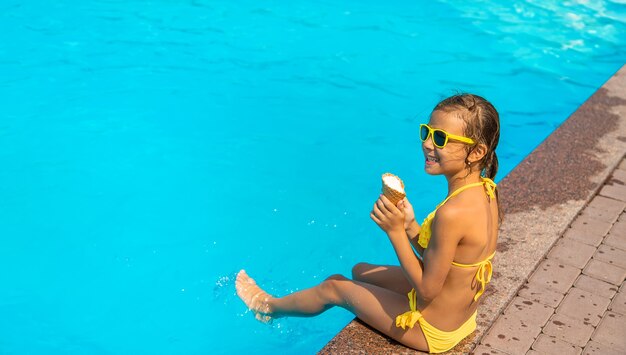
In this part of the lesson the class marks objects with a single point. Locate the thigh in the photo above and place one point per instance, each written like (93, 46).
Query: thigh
(386, 276)
(378, 307)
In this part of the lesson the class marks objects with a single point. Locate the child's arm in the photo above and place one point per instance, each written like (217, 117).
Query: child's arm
(428, 277)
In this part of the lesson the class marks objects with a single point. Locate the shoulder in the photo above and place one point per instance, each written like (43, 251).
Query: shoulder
(453, 219)
(455, 210)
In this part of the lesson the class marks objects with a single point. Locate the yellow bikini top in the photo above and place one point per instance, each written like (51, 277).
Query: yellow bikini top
(485, 268)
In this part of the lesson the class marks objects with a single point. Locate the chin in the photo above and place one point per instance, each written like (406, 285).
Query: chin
(432, 171)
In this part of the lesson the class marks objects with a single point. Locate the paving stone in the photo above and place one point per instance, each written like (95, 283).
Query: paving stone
(584, 306)
(594, 348)
(621, 221)
(607, 205)
(568, 329)
(617, 235)
(622, 165)
(606, 272)
(611, 255)
(618, 175)
(596, 286)
(590, 238)
(544, 295)
(554, 274)
(550, 345)
(601, 214)
(533, 352)
(510, 335)
(615, 191)
(611, 331)
(588, 230)
(604, 208)
(587, 223)
(572, 252)
(529, 312)
(618, 304)
(485, 350)
(616, 241)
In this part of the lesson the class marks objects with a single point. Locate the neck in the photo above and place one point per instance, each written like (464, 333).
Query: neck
(461, 179)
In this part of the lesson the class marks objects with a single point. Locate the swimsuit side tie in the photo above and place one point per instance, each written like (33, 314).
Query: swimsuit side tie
(409, 318)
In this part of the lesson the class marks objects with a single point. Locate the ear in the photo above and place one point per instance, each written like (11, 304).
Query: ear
(477, 153)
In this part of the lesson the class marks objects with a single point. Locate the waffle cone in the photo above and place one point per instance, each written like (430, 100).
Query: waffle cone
(391, 193)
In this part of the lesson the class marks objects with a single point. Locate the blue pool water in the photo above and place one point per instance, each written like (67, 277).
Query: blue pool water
(151, 149)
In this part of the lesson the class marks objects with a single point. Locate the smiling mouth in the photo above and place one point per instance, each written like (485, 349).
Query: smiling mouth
(432, 159)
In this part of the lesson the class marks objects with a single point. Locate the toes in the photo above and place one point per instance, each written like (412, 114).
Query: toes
(241, 281)
(243, 277)
(249, 280)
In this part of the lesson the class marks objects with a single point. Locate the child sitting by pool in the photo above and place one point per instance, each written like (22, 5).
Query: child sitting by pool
(454, 244)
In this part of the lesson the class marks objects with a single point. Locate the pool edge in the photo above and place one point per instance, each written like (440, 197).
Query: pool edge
(540, 198)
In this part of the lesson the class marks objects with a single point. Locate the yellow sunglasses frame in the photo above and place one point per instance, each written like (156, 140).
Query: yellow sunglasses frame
(431, 132)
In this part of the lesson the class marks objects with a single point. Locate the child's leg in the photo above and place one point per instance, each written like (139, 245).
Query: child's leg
(375, 305)
(385, 276)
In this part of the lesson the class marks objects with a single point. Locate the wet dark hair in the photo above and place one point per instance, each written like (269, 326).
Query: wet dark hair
(482, 124)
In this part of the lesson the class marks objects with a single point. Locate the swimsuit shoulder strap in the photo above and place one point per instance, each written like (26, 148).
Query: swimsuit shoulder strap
(458, 191)
(490, 188)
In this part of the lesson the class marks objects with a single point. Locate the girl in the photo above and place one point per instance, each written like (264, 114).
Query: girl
(454, 244)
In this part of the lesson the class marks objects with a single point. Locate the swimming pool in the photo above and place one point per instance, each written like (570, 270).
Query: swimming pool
(152, 149)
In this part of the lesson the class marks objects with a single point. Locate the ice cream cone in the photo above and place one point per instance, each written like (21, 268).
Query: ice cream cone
(393, 188)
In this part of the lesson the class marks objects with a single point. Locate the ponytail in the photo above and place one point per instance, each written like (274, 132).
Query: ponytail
(491, 165)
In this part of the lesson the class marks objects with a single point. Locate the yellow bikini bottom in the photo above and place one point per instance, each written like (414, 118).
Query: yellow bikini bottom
(438, 340)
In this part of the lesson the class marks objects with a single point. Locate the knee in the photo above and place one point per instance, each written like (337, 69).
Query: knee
(359, 269)
(336, 277)
(331, 288)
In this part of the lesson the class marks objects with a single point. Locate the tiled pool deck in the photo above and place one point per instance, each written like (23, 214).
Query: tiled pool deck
(559, 270)
(575, 300)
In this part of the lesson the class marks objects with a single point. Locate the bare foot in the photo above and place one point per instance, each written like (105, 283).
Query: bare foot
(254, 297)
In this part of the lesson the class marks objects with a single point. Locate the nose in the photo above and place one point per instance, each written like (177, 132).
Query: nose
(428, 143)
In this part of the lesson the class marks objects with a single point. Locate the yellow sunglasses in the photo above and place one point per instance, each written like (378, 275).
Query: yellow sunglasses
(440, 137)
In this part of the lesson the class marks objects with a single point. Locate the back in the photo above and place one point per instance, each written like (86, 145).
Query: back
(479, 221)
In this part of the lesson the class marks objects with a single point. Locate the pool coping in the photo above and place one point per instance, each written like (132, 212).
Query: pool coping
(540, 198)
